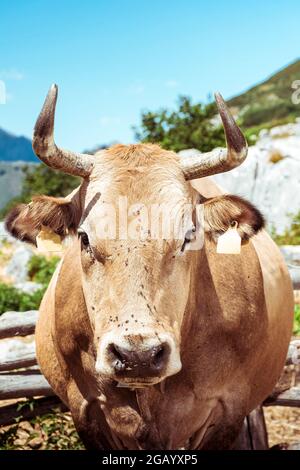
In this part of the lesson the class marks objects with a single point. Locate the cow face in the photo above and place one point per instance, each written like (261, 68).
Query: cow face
(135, 281)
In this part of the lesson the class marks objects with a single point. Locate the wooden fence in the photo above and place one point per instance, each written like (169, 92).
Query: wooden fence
(20, 377)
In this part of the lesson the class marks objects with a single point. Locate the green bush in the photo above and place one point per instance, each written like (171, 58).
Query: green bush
(291, 235)
(41, 269)
(16, 300)
(296, 329)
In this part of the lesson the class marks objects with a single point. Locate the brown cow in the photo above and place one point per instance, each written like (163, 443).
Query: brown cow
(152, 344)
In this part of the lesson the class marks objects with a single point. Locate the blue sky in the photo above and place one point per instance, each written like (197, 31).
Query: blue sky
(114, 58)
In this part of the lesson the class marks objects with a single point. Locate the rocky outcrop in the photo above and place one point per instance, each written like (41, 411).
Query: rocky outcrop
(17, 268)
(270, 176)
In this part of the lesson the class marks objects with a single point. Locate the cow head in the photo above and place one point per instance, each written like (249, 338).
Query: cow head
(136, 284)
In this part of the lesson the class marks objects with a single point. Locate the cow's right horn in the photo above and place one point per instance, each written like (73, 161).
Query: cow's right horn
(218, 160)
(43, 144)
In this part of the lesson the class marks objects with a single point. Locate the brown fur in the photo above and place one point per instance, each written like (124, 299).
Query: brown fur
(223, 211)
(140, 153)
(25, 221)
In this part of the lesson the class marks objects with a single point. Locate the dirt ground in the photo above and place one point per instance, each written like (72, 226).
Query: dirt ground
(283, 424)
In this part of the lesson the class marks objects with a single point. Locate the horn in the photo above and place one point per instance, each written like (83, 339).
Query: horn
(218, 160)
(43, 144)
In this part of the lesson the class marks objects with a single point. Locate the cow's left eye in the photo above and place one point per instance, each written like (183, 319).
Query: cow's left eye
(189, 236)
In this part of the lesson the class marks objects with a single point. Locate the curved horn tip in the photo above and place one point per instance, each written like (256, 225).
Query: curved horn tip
(221, 103)
(52, 93)
(218, 95)
(53, 90)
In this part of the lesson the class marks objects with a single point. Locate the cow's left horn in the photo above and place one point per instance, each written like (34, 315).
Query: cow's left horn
(45, 148)
(218, 160)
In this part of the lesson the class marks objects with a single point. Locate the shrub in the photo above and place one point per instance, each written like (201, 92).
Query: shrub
(41, 269)
(296, 329)
(14, 299)
(291, 235)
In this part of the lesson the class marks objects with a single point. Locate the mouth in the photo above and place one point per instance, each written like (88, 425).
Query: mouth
(140, 383)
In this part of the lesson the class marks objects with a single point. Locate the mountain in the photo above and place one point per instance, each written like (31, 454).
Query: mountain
(269, 103)
(13, 148)
(11, 180)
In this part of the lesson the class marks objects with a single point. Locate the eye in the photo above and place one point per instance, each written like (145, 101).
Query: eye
(84, 238)
(189, 236)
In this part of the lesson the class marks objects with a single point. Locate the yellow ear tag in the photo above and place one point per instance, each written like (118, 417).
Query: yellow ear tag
(230, 242)
(47, 240)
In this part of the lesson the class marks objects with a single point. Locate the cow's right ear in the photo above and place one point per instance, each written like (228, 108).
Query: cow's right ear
(26, 220)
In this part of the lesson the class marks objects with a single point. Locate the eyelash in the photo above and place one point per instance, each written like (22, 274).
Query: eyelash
(189, 236)
(83, 236)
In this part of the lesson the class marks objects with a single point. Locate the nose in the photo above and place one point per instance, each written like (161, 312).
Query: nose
(139, 363)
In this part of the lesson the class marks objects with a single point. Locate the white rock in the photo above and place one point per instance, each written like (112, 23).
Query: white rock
(6, 236)
(273, 187)
(28, 287)
(17, 267)
(291, 253)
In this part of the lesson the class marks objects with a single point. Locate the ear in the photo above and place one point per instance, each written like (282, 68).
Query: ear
(25, 220)
(221, 212)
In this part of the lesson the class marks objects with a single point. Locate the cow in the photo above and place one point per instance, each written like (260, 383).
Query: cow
(149, 343)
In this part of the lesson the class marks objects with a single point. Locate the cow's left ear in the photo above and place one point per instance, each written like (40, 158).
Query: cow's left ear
(223, 211)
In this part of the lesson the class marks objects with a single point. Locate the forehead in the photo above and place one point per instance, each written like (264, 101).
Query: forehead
(143, 173)
(140, 177)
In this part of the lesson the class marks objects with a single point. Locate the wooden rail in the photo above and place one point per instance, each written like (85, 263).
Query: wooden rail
(9, 414)
(27, 383)
(17, 323)
(18, 361)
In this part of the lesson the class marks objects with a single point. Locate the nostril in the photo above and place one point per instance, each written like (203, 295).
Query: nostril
(117, 359)
(115, 352)
(159, 356)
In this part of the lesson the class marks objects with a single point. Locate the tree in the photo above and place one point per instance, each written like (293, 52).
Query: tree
(42, 180)
(189, 126)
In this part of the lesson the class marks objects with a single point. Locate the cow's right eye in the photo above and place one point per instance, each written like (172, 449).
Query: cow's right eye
(84, 238)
